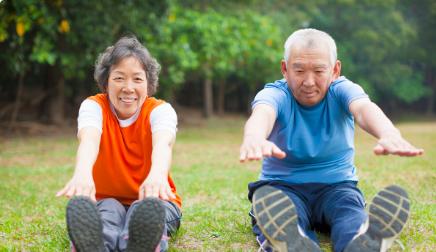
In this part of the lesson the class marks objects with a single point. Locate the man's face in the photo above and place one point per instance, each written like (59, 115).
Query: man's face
(309, 73)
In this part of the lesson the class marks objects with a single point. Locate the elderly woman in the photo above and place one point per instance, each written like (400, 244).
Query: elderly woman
(122, 196)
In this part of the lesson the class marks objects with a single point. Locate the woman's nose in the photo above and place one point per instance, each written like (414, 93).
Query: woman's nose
(129, 87)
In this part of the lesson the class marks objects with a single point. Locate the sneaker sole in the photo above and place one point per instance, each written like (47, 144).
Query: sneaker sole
(146, 226)
(84, 225)
(277, 217)
(388, 214)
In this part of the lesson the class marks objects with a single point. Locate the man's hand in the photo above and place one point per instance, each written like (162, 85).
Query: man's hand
(394, 143)
(156, 185)
(79, 186)
(255, 148)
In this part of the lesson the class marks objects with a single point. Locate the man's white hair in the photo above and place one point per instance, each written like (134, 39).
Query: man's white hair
(310, 38)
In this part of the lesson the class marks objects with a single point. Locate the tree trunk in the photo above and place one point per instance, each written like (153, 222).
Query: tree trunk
(56, 102)
(17, 104)
(57, 107)
(208, 98)
(207, 93)
(431, 82)
(221, 97)
(251, 95)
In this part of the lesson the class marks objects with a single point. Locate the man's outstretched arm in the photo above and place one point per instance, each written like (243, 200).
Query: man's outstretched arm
(257, 129)
(372, 119)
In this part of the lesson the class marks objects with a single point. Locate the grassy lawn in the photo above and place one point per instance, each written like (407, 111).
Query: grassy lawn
(211, 181)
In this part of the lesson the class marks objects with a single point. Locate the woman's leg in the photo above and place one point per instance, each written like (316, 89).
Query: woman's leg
(113, 215)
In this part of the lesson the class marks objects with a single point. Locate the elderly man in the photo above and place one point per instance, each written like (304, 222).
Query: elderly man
(303, 127)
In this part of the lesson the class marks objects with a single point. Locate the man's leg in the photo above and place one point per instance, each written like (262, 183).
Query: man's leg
(388, 213)
(342, 207)
(283, 218)
(154, 220)
(113, 215)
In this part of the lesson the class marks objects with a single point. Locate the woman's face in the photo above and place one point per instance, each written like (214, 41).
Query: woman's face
(127, 87)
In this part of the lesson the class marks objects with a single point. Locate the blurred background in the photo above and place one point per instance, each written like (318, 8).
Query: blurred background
(215, 55)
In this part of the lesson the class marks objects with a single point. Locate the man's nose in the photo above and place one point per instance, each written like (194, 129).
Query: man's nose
(309, 80)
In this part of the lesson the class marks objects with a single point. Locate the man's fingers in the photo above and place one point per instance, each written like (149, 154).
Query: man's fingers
(251, 154)
(410, 152)
(267, 151)
(379, 150)
(257, 153)
(401, 149)
(243, 154)
(277, 152)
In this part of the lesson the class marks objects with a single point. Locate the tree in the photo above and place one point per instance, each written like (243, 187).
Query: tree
(214, 46)
(61, 40)
(372, 37)
(422, 15)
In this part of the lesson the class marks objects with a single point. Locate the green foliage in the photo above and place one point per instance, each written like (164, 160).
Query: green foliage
(69, 34)
(371, 37)
(386, 46)
(211, 44)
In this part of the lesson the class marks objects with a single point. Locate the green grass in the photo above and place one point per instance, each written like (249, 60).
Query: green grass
(211, 181)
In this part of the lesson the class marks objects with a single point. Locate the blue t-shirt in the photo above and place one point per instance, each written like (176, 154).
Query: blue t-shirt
(318, 140)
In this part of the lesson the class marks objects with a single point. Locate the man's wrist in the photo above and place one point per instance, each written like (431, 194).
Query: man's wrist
(390, 132)
(254, 135)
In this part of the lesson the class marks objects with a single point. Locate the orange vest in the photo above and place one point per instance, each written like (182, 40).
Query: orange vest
(124, 158)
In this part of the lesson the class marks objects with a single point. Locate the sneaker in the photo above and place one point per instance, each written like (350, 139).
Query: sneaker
(146, 226)
(84, 225)
(265, 246)
(388, 213)
(277, 217)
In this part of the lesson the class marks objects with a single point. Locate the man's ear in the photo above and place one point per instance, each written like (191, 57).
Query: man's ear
(283, 67)
(337, 70)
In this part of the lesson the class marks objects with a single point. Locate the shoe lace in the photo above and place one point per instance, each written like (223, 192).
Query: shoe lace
(264, 246)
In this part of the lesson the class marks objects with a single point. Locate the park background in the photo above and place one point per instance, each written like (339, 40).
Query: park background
(215, 56)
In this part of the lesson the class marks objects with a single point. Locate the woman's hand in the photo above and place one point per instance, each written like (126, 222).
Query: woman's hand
(82, 182)
(156, 185)
(79, 186)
